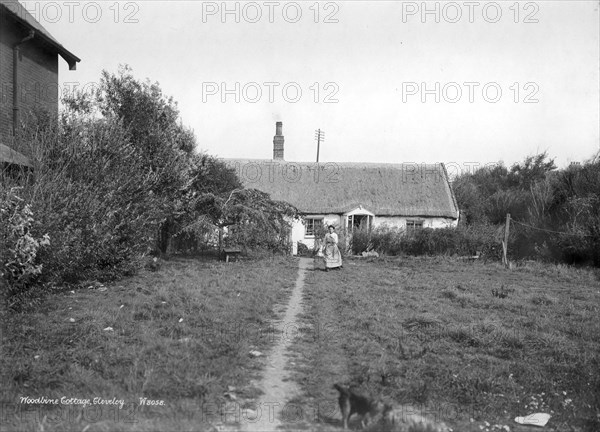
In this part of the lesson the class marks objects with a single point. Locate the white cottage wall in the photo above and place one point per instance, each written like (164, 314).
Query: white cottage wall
(299, 230)
(400, 222)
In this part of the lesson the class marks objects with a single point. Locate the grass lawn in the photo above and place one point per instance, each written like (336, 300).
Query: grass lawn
(429, 332)
(181, 335)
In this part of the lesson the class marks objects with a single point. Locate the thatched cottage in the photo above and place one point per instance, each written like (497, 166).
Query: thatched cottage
(353, 195)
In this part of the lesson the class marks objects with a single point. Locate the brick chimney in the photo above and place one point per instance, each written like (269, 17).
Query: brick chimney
(278, 142)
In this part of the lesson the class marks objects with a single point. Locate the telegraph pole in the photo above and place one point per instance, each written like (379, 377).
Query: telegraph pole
(319, 136)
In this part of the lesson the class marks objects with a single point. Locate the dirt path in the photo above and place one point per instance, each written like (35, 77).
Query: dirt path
(276, 386)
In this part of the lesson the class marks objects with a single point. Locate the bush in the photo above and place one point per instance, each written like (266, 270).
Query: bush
(444, 241)
(19, 267)
(361, 241)
(461, 241)
(94, 198)
(303, 250)
(383, 239)
(555, 211)
(388, 240)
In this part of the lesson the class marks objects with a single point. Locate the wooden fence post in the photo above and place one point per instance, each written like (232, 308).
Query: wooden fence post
(505, 242)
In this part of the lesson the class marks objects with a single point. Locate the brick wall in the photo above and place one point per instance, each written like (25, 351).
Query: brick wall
(38, 76)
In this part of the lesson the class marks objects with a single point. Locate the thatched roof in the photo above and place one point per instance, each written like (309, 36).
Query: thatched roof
(16, 11)
(384, 189)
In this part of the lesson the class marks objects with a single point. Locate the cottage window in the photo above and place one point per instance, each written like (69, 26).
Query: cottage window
(312, 226)
(412, 226)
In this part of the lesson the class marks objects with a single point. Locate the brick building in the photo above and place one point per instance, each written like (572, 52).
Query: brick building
(28, 72)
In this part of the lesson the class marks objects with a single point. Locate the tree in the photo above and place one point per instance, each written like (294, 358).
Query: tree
(255, 220)
(491, 192)
(533, 169)
(248, 217)
(153, 124)
(190, 189)
(575, 210)
(208, 179)
(162, 145)
(470, 200)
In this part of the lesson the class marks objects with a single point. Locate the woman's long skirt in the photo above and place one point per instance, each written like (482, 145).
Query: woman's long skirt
(332, 256)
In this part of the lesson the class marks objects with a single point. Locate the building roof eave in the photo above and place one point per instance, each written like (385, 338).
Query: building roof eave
(10, 156)
(18, 13)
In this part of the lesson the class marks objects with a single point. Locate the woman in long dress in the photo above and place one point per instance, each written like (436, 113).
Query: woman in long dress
(331, 252)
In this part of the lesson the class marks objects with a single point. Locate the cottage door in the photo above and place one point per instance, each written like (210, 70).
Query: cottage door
(358, 219)
(359, 222)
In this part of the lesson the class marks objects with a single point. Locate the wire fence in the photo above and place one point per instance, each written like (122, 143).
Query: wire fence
(549, 231)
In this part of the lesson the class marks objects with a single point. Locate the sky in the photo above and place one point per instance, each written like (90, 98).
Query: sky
(465, 83)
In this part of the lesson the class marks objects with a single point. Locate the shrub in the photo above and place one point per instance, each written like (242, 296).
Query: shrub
(383, 239)
(94, 198)
(361, 241)
(303, 250)
(443, 241)
(555, 212)
(247, 218)
(388, 240)
(459, 241)
(19, 267)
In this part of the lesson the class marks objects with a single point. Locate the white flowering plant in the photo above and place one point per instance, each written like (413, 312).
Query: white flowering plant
(18, 248)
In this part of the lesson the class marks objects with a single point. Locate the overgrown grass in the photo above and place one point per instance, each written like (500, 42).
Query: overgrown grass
(181, 335)
(429, 332)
